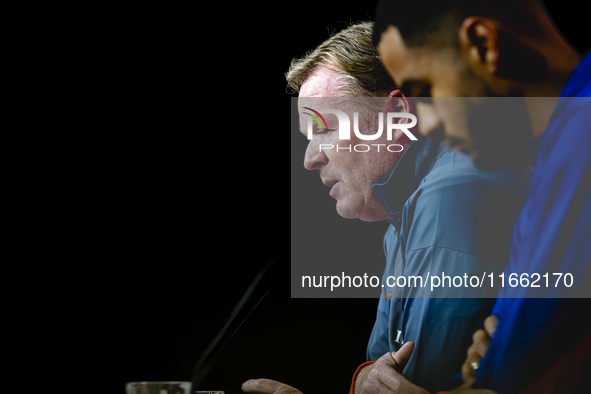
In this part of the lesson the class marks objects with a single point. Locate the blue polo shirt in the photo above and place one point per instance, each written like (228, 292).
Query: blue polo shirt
(544, 344)
(446, 215)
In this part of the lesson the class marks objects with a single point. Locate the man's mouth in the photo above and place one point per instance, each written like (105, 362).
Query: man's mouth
(330, 183)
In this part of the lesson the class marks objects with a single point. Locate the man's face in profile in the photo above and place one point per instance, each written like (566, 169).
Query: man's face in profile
(493, 130)
(349, 174)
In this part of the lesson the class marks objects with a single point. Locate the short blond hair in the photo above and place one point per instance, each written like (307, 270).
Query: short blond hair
(351, 53)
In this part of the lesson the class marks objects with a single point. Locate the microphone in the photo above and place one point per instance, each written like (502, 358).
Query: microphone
(214, 348)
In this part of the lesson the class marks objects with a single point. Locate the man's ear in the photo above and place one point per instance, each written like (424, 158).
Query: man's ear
(492, 50)
(399, 103)
(480, 44)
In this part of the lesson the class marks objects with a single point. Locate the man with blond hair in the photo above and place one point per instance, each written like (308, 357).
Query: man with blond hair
(444, 213)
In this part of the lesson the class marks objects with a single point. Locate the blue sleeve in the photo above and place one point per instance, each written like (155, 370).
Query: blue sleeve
(378, 341)
(378, 344)
(441, 328)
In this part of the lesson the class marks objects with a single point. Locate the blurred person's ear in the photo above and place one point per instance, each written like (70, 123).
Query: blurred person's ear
(499, 55)
(480, 45)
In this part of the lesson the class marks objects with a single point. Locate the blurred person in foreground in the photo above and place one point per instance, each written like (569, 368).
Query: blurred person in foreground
(445, 213)
(490, 53)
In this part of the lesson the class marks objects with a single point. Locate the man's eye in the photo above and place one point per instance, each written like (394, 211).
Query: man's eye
(420, 91)
(324, 131)
(425, 94)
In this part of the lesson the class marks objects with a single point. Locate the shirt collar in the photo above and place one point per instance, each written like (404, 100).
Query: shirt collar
(415, 163)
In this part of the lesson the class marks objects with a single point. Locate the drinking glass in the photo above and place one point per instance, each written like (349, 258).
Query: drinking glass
(172, 387)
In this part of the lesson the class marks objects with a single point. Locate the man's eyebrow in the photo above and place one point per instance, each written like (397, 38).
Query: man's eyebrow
(317, 131)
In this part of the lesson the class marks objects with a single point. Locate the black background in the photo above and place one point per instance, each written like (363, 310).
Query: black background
(199, 204)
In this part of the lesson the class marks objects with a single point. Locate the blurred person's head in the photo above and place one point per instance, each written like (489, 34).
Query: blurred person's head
(345, 73)
(470, 49)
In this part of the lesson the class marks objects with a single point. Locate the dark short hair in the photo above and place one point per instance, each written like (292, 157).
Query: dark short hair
(436, 23)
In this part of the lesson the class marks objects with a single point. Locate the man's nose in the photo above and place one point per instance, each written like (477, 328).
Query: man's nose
(427, 118)
(314, 157)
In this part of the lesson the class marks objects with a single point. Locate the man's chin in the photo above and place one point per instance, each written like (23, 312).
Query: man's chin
(361, 212)
(345, 210)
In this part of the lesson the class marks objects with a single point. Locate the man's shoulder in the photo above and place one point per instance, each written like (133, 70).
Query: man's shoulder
(578, 83)
(455, 173)
(462, 207)
(566, 140)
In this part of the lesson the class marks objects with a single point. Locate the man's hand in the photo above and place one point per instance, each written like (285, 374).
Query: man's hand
(267, 386)
(476, 352)
(384, 376)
